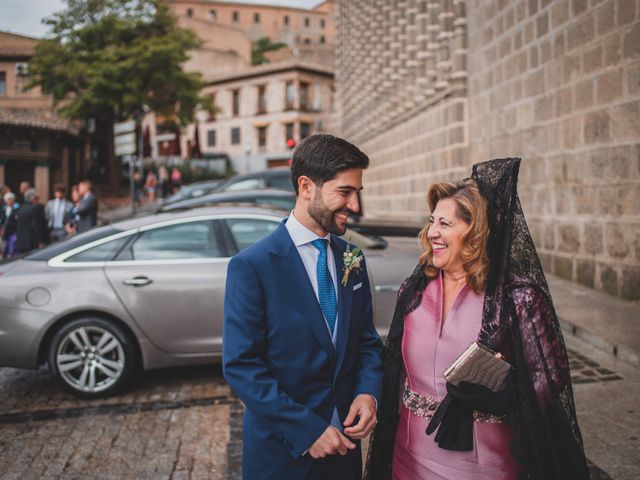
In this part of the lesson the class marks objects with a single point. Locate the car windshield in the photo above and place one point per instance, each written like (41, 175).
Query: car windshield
(55, 249)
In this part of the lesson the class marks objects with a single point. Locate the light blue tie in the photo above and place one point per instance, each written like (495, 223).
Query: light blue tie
(326, 291)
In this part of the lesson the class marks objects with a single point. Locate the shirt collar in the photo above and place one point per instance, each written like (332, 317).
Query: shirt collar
(300, 234)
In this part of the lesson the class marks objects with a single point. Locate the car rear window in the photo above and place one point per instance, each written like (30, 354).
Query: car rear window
(55, 249)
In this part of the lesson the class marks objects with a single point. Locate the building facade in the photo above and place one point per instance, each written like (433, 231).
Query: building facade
(36, 144)
(293, 26)
(429, 87)
(262, 111)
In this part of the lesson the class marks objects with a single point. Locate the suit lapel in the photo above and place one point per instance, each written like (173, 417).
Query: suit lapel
(294, 279)
(345, 297)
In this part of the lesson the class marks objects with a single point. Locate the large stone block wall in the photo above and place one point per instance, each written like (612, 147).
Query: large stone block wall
(429, 87)
(401, 91)
(558, 83)
(407, 158)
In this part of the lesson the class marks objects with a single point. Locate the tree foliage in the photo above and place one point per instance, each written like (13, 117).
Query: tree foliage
(262, 45)
(108, 58)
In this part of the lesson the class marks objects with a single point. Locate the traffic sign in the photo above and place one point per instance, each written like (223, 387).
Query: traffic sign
(124, 127)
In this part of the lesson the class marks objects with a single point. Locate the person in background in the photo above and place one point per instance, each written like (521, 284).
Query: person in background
(71, 226)
(8, 219)
(176, 179)
(150, 185)
(164, 182)
(86, 208)
(58, 212)
(138, 187)
(24, 186)
(31, 224)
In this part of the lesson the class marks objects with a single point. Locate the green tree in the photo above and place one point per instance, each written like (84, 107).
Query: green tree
(106, 59)
(262, 45)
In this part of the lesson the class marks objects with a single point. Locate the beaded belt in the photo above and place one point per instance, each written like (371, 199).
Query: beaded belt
(422, 406)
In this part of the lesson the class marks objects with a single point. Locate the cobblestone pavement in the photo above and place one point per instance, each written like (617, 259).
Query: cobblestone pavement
(180, 423)
(175, 423)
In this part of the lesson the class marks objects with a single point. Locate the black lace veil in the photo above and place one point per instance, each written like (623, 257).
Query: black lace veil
(519, 321)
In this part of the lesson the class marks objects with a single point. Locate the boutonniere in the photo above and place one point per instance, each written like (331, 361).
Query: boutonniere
(350, 261)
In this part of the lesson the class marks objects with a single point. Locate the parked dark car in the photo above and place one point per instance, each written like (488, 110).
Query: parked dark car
(279, 178)
(193, 190)
(280, 199)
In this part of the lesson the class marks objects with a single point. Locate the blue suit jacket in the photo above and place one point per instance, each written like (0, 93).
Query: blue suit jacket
(279, 359)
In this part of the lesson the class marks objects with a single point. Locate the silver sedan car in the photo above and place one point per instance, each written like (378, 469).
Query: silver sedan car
(147, 293)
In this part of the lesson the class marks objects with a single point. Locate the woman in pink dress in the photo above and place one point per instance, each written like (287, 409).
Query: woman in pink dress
(478, 279)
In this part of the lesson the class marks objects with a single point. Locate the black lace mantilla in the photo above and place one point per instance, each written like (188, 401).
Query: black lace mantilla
(519, 321)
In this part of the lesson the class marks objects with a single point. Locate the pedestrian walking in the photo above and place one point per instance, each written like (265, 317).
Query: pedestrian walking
(58, 212)
(31, 224)
(8, 219)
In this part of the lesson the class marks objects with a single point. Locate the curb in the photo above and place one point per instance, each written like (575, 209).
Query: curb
(620, 352)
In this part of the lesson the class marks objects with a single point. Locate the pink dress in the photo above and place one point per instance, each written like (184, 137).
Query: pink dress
(429, 346)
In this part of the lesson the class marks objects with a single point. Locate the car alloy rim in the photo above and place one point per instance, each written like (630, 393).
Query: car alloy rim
(90, 359)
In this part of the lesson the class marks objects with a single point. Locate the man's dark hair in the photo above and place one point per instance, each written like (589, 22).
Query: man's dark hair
(321, 157)
(60, 187)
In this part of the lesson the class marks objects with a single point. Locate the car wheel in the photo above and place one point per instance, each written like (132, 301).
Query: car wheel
(92, 357)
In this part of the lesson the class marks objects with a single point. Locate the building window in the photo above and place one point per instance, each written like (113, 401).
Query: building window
(305, 130)
(189, 12)
(304, 96)
(288, 127)
(322, 23)
(235, 103)
(235, 136)
(307, 22)
(322, 40)
(213, 15)
(290, 91)
(307, 41)
(235, 16)
(256, 18)
(262, 136)
(286, 19)
(262, 99)
(211, 138)
(3, 83)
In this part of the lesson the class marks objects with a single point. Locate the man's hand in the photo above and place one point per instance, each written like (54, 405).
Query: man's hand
(363, 406)
(330, 443)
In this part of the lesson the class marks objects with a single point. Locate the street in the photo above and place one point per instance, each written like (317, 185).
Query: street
(184, 423)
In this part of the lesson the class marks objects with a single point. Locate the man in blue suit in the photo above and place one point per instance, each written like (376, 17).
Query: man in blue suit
(299, 346)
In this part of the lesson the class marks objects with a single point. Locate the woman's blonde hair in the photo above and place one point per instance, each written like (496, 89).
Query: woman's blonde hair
(472, 209)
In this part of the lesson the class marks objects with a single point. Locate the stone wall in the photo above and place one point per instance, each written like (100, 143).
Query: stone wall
(558, 83)
(429, 87)
(401, 89)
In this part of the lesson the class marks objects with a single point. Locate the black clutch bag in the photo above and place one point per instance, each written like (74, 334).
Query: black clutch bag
(480, 365)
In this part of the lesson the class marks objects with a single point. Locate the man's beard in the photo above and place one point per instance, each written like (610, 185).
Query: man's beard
(325, 217)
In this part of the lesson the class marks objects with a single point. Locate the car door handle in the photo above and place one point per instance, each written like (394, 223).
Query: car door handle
(138, 281)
